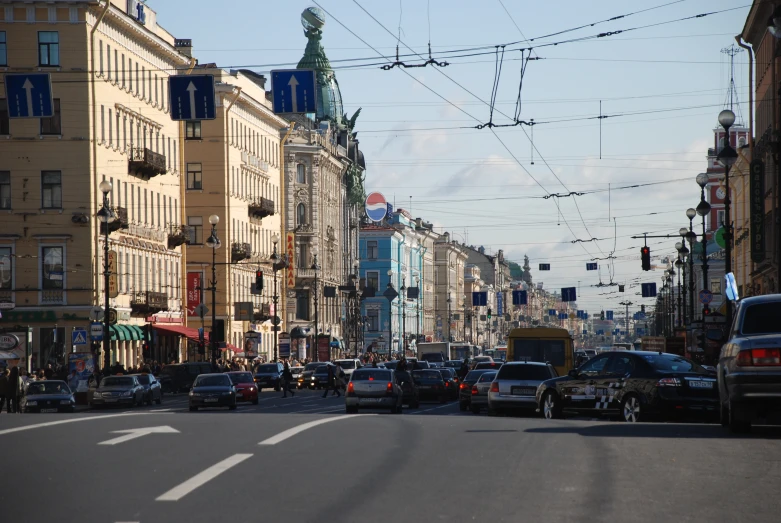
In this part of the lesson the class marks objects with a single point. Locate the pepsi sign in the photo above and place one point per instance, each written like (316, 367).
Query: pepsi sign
(376, 207)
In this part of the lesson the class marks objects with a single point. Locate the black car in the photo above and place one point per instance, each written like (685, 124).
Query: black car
(320, 376)
(451, 382)
(488, 365)
(153, 390)
(49, 396)
(118, 390)
(179, 377)
(431, 385)
(410, 390)
(213, 390)
(631, 384)
(268, 376)
(305, 378)
(465, 387)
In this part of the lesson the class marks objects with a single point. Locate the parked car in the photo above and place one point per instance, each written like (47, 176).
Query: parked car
(431, 384)
(213, 390)
(515, 385)
(118, 390)
(749, 369)
(179, 377)
(451, 382)
(479, 392)
(49, 396)
(268, 376)
(244, 383)
(374, 389)
(465, 387)
(632, 385)
(409, 389)
(153, 390)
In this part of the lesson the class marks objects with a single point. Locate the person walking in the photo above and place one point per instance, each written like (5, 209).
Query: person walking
(15, 390)
(287, 380)
(4, 391)
(331, 381)
(338, 379)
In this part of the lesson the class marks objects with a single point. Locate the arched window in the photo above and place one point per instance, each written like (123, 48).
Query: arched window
(301, 173)
(301, 214)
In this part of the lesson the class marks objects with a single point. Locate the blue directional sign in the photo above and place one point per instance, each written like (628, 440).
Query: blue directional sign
(568, 294)
(591, 266)
(580, 314)
(520, 298)
(648, 290)
(609, 315)
(294, 91)
(479, 299)
(29, 95)
(191, 97)
(500, 303)
(552, 312)
(79, 337)
(545, 266)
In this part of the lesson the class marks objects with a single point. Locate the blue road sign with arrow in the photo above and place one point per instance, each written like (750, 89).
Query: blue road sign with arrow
(29, 95)
(294, 91)
(192, 97)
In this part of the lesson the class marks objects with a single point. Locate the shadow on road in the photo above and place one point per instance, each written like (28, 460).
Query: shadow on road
(648, 430)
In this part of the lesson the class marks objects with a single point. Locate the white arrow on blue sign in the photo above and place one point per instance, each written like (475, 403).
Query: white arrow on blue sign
(294, 91)
(192, 97)
(29, 95)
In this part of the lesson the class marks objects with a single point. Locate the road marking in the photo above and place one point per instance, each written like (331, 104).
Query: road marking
(71, 420)
(130, 434)
(433, 408)
(161, 410)
(289, 433)
(200, 479)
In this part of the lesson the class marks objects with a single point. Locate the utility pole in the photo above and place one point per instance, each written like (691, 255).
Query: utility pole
(627, 304)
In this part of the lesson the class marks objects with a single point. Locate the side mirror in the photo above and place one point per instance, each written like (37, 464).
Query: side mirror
(573, 373)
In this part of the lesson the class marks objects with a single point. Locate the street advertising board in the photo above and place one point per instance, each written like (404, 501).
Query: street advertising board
(84, 365)
(298, 348)
(194, 280)
(284, 348)
(323, 349)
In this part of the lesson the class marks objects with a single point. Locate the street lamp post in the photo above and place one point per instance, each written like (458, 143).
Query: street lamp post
(275, 297)
(105, 216)
(727, 157)
(356, 313)
(390, 295)
(404, 313)
(683, 252)
(417, 312)
(449, 319)
(703, 209)
(678, 264)
(692, 237)
(213, 242)
(316, 269)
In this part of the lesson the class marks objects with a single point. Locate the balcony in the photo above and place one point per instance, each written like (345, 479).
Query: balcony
(240, 251)
(261, 208)
(305, 273)
(52, 297)
(148, 302)
(120, 221)
(179, 235)
(146, 163)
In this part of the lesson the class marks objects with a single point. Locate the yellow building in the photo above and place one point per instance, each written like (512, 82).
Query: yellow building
(740, 179)
(232, 172)
(109, 64)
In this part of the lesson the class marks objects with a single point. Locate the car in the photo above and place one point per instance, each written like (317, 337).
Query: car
(749, 368)
(296, 373)
(479, 391)
(118, 390)
(515, 385)
(305, 378)
(482, 359)
(349, 365)
(320, 376)
(465, 387)
(245, 387)
(269, 376)
(431, 384)
(49, 396)
(451, 382)
(409, 389)
(179, 377)
(631, 385)
(411, 364)
(453, 364)
(488, 365)
(153, 390)
(374, 389)
(212, 390)
(590, 353)
(419, 364)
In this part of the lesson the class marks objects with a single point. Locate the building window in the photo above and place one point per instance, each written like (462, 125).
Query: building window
(719, 219)
(53, 125)
(48, 48)
(301, 214)
(51, 190)
(52, 275)
(371, 249)
(301, 173)
(3, 49)
(715, 285)
(5, 127)
(303, 260)
(6, 268)
(193, 130)
(5, 189)
(196, 229)
(302, 305)
(373, 279)
(100, 54)
(373, 319)
(194, 176)
(108, 61)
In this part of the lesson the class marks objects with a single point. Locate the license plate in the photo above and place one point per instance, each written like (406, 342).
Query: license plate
(211, 400)
(110, 400)
(48, 410)
(369, 400)
(524, 391)
(701, 384)
(425, 387)
(239, 395)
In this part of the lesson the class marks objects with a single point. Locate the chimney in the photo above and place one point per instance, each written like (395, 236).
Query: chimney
(184, 46)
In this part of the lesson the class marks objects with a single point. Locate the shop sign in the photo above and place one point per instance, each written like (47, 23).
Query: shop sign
(757, 205)
(9, 341)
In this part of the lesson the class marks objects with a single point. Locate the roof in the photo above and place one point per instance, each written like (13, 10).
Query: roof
(524, 363)
(765, 298)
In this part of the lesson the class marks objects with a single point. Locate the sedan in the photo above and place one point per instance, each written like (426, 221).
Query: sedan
(296, 373)
(480, 392)
(465, 387)
(118, 390)
(451, 382)
(269, 375)
(212, 390)
(49, 396)
(515, 386)
(409, 389)
(244, 385)
(153, 389)
(320, 377)
(431, 384)
(374, 389)
(305, 378)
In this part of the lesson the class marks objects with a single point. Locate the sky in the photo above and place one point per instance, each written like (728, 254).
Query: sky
(661, 87)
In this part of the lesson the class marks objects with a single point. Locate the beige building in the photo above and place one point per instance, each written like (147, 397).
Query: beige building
(449, 262)
(109, 64)
(232, 171)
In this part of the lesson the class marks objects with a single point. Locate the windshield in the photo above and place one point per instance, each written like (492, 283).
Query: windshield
(117, 382)
(48, 387)
(346, 364)
(144, 379)
(371, 375)
(762, 318)
(312, 366)
(474, 375)
(524, 372)
(296, 370)
(543, 351)
(672, 363)
(447, 373)
(212, 380)
(433, 356)
(322, 369)
(267, 369)
(427, 374)
(241, 377)
(487, 377)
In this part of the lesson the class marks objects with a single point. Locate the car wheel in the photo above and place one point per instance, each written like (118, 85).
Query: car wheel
(724, 415)
(277, 388)
(443, 399)
(737, 425)
(475, 409)
(193, 409)
(351, 410)
(631, 409)
(255, 401)
(493, 412)
(232, 407)
(160, 399)
(550, 406)
(415, 405)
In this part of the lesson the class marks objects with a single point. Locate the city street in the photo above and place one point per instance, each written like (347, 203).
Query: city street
(300, 459)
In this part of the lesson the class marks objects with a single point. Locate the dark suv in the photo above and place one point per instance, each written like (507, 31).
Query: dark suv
(179, 377)
(269, 375)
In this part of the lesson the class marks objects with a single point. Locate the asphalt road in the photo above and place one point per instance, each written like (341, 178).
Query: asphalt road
(300, 459)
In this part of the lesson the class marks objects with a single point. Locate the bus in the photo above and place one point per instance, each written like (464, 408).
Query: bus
(622, 346)
(543, 344)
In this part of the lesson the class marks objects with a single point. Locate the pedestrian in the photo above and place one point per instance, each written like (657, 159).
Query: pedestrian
(4, 391)
(49, 372)
(331, 381)
(338, 379)
(15, 390)
(287, 381)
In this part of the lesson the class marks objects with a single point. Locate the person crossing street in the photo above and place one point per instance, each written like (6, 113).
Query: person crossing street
(332, 383)
(287, 381)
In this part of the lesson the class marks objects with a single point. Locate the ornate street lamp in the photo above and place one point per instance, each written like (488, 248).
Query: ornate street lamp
(703, 209)
(213, 242)
(106, 216)
(316, 269)
(691, 237)
(276, 265)
(404, 313)
(727, 157)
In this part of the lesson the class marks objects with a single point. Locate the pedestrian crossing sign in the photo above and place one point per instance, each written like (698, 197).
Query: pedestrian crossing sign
(79, 337)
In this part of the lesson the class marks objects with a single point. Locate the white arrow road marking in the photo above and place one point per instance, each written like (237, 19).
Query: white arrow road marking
(69, 420)
(137, 433)
(191, 89)
(28, 86)
(200, 479)
(293, 83)
(289, 433)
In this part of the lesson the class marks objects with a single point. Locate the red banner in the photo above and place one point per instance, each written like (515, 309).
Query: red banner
(193, 292)
(323, 349)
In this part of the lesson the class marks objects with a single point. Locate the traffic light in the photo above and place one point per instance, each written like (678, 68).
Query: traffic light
(489, 313)
(645, 257)
(706, 310)
(642, 308)
(258, 281)
(146, 351)
(602, 315)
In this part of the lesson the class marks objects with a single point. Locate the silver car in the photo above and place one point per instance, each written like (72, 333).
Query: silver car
(515, 385)
(479, 399)
(371, 388)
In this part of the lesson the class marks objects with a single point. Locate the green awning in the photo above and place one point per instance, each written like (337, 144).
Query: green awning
(135, 332)
(116, 333)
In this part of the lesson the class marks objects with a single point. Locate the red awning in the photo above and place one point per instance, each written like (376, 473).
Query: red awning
(189, 332)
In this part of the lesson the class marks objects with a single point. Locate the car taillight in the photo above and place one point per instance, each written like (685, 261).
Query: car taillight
(474, 390)
(494, 387)
(759, 357)
(668, 382)
(389, 388)
(447, 384)
(350, 388)
(462, 386)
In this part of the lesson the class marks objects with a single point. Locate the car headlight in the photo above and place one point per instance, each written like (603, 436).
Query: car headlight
(251, 389)
(194, 393)
(227, 393)
(32, 403)
(96, 394)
